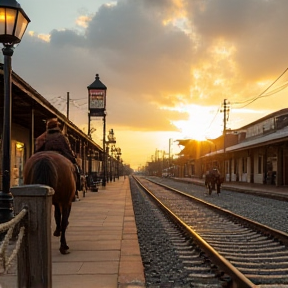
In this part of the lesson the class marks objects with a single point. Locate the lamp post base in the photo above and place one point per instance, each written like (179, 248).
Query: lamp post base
(104, 181)
(6, 207)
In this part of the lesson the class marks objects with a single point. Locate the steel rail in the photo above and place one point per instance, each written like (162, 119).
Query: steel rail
(239, 279)
(264, 229)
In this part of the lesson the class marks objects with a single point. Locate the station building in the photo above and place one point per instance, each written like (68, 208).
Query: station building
(255, 153)
(30, 110)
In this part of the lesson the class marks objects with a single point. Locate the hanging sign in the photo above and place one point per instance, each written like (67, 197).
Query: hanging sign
(97, 102)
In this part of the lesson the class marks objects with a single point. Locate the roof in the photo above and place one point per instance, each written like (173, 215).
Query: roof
(273, 114)
(277, 136)
(26, 99)
(97, 84)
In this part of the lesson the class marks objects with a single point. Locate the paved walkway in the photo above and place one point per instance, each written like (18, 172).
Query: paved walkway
(102, 236)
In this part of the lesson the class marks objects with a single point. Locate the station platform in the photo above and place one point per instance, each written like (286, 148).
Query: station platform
(102, 236)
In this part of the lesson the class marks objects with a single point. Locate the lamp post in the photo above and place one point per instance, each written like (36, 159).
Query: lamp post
(97, 108)
(118, 160)
(107, 163)
(111, 140)
(113, 164)
(13, 23)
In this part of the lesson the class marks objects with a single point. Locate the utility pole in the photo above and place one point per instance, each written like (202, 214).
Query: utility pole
(225, 110)
(224, 130)
(169, 159)
(68, 100)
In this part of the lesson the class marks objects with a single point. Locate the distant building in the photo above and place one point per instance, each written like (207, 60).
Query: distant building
(255, 153)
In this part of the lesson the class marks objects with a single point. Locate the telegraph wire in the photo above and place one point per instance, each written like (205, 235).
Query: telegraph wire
(262, 94)
(80, 99)
(251, 100)
(212, 121)
(213, 118)
(62, 102)
(57, 99)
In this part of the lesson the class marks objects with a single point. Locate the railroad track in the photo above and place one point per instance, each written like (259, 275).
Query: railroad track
(270, 212)
(250, 253)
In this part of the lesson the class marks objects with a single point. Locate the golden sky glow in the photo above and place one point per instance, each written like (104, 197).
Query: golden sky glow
(168, 65)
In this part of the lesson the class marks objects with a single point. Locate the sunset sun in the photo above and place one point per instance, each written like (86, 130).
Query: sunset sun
(202, 123)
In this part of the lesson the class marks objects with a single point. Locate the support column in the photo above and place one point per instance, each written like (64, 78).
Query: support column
(104, 160)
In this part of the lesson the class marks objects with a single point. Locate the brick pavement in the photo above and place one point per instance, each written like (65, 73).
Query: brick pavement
(102, 236)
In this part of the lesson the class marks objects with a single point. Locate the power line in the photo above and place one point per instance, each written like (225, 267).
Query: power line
(64, 99)
(80, 99)
(213, 118)
(262, 94)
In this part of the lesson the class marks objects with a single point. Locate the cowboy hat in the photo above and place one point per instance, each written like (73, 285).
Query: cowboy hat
(52, 123)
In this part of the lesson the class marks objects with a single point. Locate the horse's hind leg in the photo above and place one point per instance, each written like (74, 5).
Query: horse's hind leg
(57, 216)
(210, 188)
(65, 215)
(218, 189)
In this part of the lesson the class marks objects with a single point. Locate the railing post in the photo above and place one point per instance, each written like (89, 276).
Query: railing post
(34, 260)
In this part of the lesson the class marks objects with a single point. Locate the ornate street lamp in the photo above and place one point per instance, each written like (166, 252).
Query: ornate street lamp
(97, 108)
(113, 163)
(111, 137)
(13, 24)
(118, 160)
(111, 140)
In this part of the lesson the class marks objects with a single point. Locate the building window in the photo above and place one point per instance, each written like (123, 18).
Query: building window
(260, 165)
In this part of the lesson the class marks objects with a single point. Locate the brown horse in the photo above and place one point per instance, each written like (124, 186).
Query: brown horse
(54, 170)
(213, 178)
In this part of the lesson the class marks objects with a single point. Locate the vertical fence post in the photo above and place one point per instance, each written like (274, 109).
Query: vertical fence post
(34, 263)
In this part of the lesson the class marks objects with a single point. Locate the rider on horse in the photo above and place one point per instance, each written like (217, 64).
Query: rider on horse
(53, 139)
(213, 180)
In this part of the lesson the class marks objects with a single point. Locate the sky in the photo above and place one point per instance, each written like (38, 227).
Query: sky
(168, 65)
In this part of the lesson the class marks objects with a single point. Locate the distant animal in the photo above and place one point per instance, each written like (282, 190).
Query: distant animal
(83, 184)
(54, 170)
(213, 180)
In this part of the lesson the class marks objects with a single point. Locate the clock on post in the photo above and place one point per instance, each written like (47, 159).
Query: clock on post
(97, 98)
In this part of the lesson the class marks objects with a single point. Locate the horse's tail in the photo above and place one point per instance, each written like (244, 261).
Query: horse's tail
(42, 172)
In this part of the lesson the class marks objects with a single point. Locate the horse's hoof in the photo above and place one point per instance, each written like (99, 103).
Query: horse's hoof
(57, 232)
(64, 249)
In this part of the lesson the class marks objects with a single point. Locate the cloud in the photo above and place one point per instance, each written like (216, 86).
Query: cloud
(254, 27)
(154, 57)
(66, 38)
(83, 21)
(166, 53)
(145, 61)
